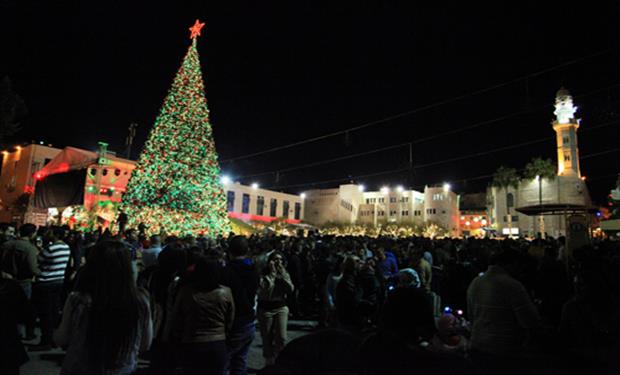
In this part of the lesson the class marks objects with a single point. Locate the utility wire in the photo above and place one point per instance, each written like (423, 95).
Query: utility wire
(419, 109)
(596, 154)
(449, 160)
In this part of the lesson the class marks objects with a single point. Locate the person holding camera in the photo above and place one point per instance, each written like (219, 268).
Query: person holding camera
(274, 285)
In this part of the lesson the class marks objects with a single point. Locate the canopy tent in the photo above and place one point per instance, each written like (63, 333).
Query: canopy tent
(63, 180)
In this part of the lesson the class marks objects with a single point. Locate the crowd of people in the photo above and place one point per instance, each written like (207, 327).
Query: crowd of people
(193, 305)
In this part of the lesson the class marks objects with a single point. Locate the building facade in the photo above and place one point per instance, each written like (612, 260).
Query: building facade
(17, 181)
(568, 187)
(350, 204)
(251, 203)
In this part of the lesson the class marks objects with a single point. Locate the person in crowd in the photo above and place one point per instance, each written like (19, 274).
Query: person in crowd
(149, 256)
(295, 270)
(349, 293)
(274, 285)
(16, 309)
(7, 232)
(134, 246)
(502, 314)
(386, 263)
(423, 268)
(203, 315)
(106, 321)
(328, 317)
(241, 276)
(401, 345)
(162, 282)
(18, 260)
(122, 221)
(48, 287)
(590, 320)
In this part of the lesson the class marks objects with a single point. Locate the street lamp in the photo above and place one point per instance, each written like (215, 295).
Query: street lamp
(385, 190)
(400, 188)
(446, 187)
(254, 185)
(225, 180)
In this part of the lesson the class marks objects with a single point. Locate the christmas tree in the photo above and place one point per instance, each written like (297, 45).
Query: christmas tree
(176, 184)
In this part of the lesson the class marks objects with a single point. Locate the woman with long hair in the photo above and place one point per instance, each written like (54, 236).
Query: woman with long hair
(106, 321)
(202, 317)
(275, 284)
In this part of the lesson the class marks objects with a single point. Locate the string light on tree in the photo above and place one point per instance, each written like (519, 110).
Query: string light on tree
(176, 186)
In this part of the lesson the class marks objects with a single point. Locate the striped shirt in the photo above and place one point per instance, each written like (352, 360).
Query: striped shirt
(53, 261)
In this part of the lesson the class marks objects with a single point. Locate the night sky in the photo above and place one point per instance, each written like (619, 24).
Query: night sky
(282, 72)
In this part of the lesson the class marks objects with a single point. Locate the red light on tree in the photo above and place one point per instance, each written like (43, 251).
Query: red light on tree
(38, 176)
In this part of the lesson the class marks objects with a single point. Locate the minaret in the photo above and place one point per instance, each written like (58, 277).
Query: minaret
(565, 126)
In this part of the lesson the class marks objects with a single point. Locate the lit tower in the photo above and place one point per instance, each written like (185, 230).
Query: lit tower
(565, 126)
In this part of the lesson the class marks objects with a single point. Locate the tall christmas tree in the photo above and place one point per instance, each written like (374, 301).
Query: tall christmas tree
(176, 184)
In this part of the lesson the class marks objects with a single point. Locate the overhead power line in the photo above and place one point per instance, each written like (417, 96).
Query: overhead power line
(393, 171)
(439, 162)
(419, 109)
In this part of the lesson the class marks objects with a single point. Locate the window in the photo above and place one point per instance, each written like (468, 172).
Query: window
(245, 204)
(381, 213)
(260, 205)
(566, 157)
(272, 207)
(392, 199)
(230, 200)
(392, 213)
(381, 200)
(515, 218)
(566, 140)
(405, 213)
(438, 197)
(510, 200)
(367, 200)
(431, 211)
(404, 199)
(285, 209)
(297, 210)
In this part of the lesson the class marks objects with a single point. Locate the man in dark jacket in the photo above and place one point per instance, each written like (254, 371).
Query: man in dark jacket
(241, 277)
(349, 296)
(18, 258)
(15, 309)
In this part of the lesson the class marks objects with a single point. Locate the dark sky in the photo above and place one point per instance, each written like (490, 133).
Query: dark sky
(280, 72)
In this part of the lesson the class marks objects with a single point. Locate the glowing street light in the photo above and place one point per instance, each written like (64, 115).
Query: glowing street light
(446, 187)
(225, 180)
(302, 195)
(400, 188)
(385, 190)
(361, 188)
(254, 185)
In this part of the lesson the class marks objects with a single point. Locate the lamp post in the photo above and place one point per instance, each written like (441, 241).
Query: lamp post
(541, 220)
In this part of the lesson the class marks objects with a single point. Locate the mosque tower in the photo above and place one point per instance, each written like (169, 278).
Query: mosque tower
(565, 126)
